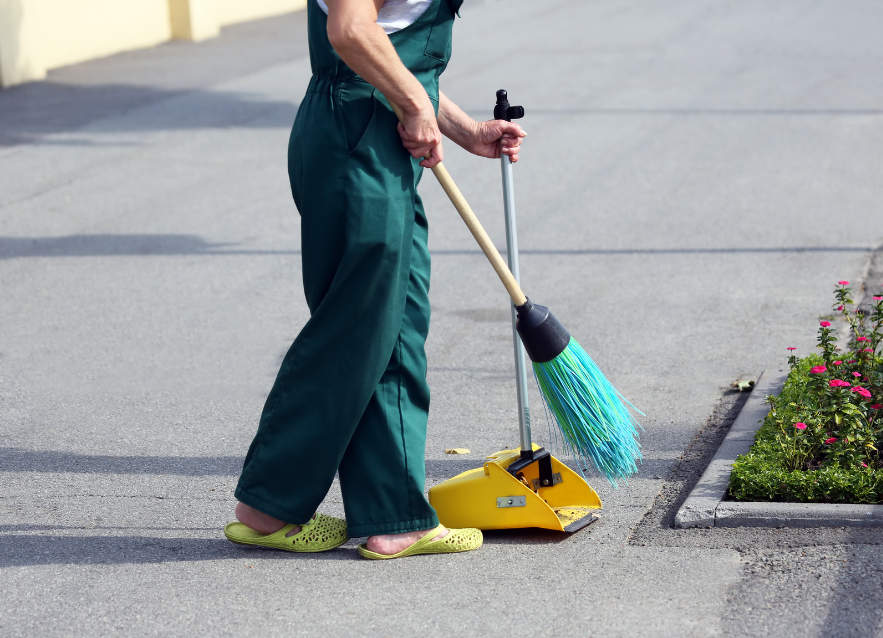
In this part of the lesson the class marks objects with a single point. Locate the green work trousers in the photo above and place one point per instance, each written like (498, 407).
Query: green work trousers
(351, 395)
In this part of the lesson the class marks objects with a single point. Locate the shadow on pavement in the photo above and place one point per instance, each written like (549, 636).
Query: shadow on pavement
(526, 536)
(20, 460)
(77, 95)
(67, 108)
(120, 245)
(21, 550)
(104, 245)
(38, 527)
(101, 245)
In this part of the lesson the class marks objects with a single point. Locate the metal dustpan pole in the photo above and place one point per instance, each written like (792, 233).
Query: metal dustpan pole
(514, 488)
(512, 254)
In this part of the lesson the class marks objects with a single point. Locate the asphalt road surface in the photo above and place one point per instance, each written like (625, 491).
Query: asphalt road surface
(697, 176)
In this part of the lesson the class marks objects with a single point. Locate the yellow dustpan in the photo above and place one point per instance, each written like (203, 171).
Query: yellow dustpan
(492, 497)
(524, 487)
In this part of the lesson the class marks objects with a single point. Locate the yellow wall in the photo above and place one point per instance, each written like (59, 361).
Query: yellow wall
(233, 11)
(36, 35)
(75, 30)
(19, 59)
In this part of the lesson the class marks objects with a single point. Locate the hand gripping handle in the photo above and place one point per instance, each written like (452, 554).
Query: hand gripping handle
(487, 246)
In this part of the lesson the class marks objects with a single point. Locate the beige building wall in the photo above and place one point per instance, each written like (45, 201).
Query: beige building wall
(72, 31)
(37, 35)
(233, 11)
(18, 26)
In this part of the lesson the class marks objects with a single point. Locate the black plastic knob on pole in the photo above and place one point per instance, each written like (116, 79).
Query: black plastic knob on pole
(503, 111)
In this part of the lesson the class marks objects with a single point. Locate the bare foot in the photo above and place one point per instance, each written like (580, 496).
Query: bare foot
(263, 523)
(394, 543)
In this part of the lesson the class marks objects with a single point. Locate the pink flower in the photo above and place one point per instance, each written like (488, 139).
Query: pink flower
(837, 383)
(817, 370)
(864, 465)
(843, 283)
(824, 324)
(800, 426)
(792, 348)
(877, 406)
(860, 390)
(831, 440)
(856, 374)
(837, 363)
(862, 339)
(878, 298)
(867, 350)
(839, 307)
(853, 361)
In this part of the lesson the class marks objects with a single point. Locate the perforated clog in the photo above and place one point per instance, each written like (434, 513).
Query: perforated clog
(457, 540)
(319, 535)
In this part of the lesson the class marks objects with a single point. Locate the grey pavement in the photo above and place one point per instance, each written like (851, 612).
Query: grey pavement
(697, 176)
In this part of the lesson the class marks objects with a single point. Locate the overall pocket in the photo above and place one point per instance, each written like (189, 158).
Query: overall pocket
(438, 45)
(355, 110)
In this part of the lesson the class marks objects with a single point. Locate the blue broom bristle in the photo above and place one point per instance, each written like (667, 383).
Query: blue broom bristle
(590, 413)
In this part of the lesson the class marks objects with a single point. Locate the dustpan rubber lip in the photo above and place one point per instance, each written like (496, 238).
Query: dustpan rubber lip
(577, 525)
(543, 336)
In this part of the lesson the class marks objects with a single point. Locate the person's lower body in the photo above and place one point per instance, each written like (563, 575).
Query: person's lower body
(351, 395)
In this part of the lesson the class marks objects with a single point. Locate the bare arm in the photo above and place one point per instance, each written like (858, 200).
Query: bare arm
(481, 138)
(364, 46)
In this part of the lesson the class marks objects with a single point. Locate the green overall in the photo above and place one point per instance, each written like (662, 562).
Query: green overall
(351, 395)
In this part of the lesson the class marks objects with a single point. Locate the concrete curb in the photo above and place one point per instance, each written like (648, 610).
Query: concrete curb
(739, 514)
(705, 506)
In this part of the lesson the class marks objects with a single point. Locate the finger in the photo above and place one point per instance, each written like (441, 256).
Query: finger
(511, 129)
(430, 161)
(513, 158)
(427, 144)
(435, 156)
(420, 142)
(416, 146)
(420, 139)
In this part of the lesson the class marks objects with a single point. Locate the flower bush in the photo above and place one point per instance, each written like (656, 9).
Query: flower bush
(822, 438)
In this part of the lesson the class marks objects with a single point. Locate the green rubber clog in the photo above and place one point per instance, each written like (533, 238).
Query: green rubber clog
(319, 535)
(457, 540)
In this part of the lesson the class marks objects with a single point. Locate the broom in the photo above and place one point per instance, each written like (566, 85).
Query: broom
(589, 411)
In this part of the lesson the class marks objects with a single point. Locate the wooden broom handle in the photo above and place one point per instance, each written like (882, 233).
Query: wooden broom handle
(487, 246)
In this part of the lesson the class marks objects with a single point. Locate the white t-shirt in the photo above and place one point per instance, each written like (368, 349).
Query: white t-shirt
(395, 15)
